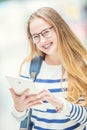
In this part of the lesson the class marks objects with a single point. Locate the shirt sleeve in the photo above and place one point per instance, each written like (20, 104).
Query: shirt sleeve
(19, 115)
(75, 112)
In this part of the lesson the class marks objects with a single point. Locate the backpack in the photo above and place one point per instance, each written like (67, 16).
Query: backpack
(34, 69)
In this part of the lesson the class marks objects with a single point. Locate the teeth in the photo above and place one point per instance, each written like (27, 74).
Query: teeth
(46, 46)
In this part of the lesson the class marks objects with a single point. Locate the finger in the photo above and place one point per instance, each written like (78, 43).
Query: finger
(14, 95)
(31, 98)
(43, 93)
(25, 93)
(34, 104)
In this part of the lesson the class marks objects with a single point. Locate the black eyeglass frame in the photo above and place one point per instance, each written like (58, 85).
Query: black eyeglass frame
(41, 33)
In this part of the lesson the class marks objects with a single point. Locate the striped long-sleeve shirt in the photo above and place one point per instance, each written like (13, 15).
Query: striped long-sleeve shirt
(72, 116)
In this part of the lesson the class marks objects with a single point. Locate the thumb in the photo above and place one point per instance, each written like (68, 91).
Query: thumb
(12, 93)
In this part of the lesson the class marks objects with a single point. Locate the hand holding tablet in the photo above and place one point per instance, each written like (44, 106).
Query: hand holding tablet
(20, 84)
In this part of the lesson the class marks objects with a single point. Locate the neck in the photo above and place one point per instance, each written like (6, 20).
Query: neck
(52, 60)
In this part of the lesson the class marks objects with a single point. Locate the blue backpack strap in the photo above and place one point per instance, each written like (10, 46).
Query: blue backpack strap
(26, 124)
(34, 69)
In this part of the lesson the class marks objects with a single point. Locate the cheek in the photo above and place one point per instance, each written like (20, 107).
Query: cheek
(38, 48)
(55, 41)
(54, 37)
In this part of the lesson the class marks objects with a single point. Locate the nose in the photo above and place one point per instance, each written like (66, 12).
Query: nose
(42, 39)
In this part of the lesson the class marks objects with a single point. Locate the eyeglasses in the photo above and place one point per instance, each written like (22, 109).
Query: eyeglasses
(46, 33)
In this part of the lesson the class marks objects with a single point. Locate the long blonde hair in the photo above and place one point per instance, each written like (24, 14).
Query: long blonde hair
(73, 54)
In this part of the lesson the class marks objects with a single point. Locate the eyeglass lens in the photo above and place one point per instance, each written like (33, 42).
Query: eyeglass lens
(45, 33)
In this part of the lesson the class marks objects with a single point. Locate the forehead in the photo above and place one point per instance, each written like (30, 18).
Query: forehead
(38, 24)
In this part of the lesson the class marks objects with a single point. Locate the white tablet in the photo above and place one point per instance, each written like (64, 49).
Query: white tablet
(19, 84)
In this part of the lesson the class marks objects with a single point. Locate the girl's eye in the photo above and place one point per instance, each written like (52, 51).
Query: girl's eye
(46, 32)
(35, 37)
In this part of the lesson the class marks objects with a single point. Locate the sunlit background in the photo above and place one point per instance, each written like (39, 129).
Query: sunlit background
(14, 44)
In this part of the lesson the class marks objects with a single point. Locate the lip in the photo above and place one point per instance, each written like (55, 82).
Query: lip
(47, 46)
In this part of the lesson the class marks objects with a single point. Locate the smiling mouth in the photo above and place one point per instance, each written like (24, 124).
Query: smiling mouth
(47, 45)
